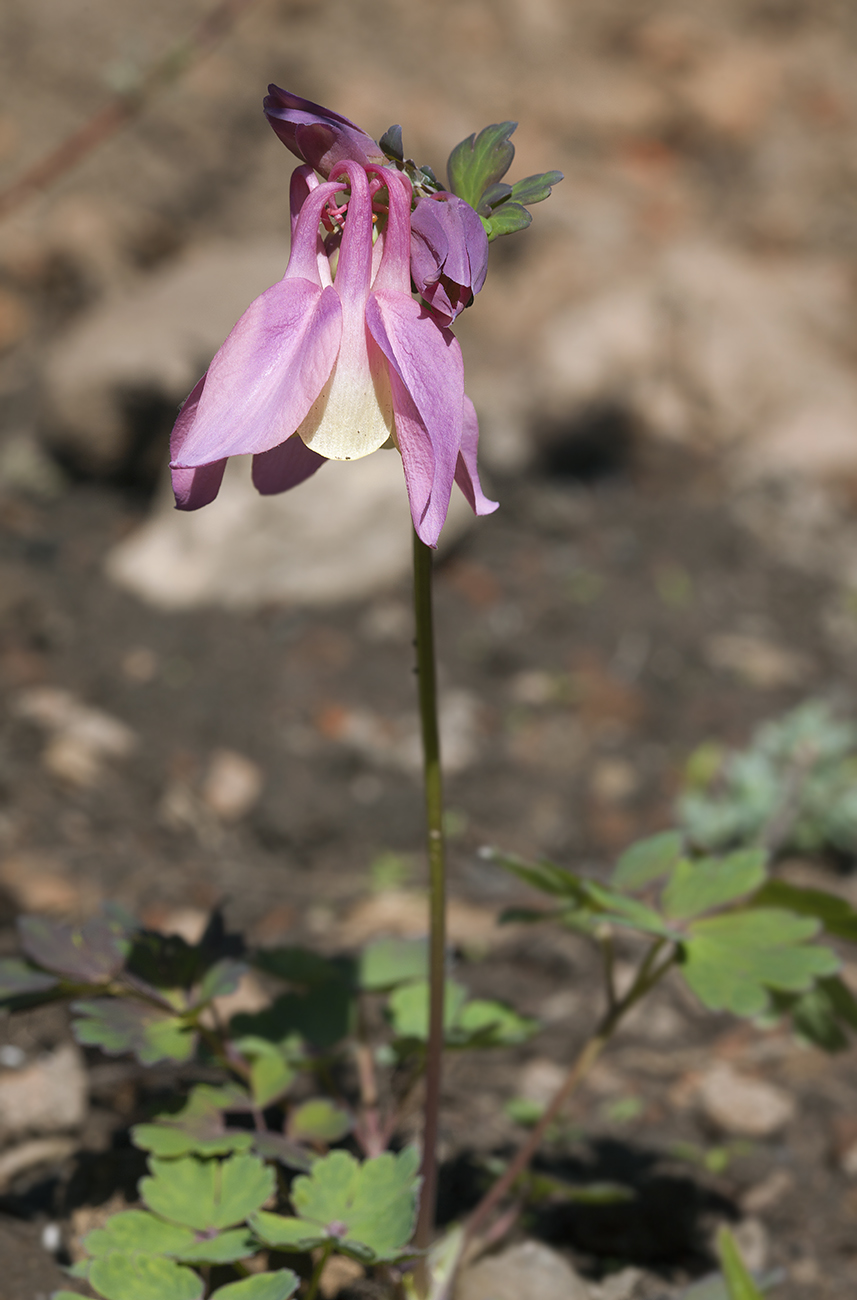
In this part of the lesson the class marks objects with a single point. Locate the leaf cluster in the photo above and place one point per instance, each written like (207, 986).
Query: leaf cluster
(476, 169)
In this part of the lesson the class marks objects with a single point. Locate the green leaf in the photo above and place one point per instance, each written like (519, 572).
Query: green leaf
(389, 962)
(535, 189)
(205, 1194)
(467, 1024)
(409, 1009)
(319, 1120)
(18, 978)
(372, 1204)
(273, 1146)
(618, 909)
(225, 1248)
(119, 1025)
(221, 978)
(704, 884)
(297, 966)
(144, 1277)
(322, 1016)
(544, 875)
(739, 1283)
(505, 220)
(648, 860)
(837, 915)
(491, 1024)
(200, 1127)
(731, 961)
(272, 1069)
(285, 1232)
(89, 954)
(481, 160)
(136, 1232)
(261, 1286)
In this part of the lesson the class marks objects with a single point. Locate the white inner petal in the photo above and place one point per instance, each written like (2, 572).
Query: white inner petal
(353, 414)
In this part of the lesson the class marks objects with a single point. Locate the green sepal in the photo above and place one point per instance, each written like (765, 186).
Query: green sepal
(481, 160)
(535, 189)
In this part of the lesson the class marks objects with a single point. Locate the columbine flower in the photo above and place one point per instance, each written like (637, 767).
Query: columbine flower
(449, 253)
(332, 368)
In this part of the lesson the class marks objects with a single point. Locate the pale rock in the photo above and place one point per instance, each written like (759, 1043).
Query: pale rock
(155, 339)
(744, 1106)
(232, 786)
(757, 661)
(769, 1192)
(46, 1097)
(344, 534)
(751, 1238)
(337, 1274)
(395, 742)
(618, 1286)
(81, 739)
(249, 997)
(528, 1269)
(36, 1151)
(38, 883)
(404, 914)
(540, 1080)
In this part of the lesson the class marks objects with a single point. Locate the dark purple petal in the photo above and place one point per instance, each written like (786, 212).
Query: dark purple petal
(284, 467)
(466, 473)
(317, 135)
(449, 253)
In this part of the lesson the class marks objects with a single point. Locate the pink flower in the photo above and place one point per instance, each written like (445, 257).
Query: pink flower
(332, 368)
(317, 135)
(449, 253)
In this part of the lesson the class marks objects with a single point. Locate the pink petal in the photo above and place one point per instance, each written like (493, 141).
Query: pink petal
(428, 490)
(466, 473)
(284, 467)
(267, 374)
(193, 487)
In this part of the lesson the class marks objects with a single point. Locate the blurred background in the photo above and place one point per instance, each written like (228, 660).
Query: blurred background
(220, 706)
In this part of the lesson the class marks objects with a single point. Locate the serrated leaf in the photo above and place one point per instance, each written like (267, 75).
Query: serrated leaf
(205, 1194)
(221, 978)
(261, 1286)
(739, 1283)
(225, 1248)
(144, 1277)
(731, 961)
(648, 860)
(506, 219)
(389, 962)
(836, 914)
(372, 1204)
(88, 954)
(285, 1232)
(119, 1025)
(704, 884)
(136, 1232)
(18, 978)
(535, 189)
(319, 1120)
(481, 160)
(199, 1128)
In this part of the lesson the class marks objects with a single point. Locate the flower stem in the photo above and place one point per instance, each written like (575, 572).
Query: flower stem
(427, 679)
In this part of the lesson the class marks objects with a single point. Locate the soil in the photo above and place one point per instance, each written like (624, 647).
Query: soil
(576, 635)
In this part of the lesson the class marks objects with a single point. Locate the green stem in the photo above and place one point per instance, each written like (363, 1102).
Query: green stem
(647, 976)
(326, 1252)
(427, 679)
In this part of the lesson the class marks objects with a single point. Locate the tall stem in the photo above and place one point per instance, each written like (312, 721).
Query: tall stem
(427, 677)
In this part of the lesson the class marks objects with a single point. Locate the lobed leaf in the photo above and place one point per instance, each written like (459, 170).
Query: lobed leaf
(389, 962)
(205, 1194)
(88, 954)
(506, 219)
(144, 1277)
(136, 1232)
(319, 1120)
(199, 1128)
(272, 1068)
(823, 1014)
(261, 1286)
(836, 914)
(285, 1232)
(731, 961)
(18, 978)
(535, 189)
(119, 1025)
(648, 860)
(618, 909)
(225, 1248)
(481, 160)
(704, 884)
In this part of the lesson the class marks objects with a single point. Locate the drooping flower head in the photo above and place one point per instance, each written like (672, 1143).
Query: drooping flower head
(339, 359)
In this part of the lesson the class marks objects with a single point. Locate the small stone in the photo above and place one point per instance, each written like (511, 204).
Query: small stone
(619, 1286)
(337, 1274)
(751, 1238)
(756, 661)
(528, 1269)
(742, 1105)
(249, 997)
(404, 914)
(769, 1192)
(540, 1080)
(81, 739)
(232, 786)
(613, 780)
(46, 1097)
(38, 883)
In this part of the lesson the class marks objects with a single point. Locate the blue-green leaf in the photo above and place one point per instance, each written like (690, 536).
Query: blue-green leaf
(481, 160)
(648, 860)
(199, 1128)
(136, 1232)
(318, 1120)
(144, 1277)
(205, 1194)
(704, 884)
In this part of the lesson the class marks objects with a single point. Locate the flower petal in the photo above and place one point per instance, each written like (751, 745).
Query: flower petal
(193, 487)
(449, 253)
(466, 473)
(317, 135)
(267, 374)
(284, 467)
(428, 490)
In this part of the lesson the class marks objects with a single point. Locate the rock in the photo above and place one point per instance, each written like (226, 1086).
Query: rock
(46, 1097)
(769, 1192)
(403, 914)
(38, 883)
(744, 1106)
(756, 661)
(232, 785)
(540, 1080)
(152, 342)
(344, 534)
(619, 1286)
(395, 742)
(751, 1238)
(81, 739)
(528, 1269)
(337, 1274)
(37, 1151)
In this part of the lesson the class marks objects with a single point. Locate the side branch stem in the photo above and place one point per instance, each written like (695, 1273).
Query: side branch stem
(427, 678)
